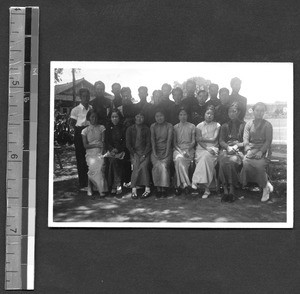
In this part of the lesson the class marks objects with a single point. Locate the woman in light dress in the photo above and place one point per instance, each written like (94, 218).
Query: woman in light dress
(183, 155)
(258, 135)
(93, 142)
(207, 150)
(161, 140)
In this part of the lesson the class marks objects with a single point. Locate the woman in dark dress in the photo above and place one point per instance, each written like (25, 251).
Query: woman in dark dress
(138, 142)
(115, 145)
(258, 135)
(231, 156)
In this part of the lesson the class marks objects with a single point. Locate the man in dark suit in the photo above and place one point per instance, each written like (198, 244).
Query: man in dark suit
(235, 85)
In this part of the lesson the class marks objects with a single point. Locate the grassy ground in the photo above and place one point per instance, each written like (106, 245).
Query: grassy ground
(73, 206)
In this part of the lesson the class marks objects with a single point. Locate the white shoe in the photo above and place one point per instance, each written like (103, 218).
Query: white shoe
(205, 195)
(266, 192)
(85, 189)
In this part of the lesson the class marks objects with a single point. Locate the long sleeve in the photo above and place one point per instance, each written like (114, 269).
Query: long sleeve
(148, 141)
(268, 137)
(223, 136)
(129, 140)
(247, 135)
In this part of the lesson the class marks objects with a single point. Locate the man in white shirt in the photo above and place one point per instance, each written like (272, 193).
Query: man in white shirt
(78, 122)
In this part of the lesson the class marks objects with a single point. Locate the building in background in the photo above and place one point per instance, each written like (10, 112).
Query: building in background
(64, 95)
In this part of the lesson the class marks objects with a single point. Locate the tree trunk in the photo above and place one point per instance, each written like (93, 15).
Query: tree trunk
(74, 89)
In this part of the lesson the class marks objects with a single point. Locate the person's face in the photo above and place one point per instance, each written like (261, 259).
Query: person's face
(166, 90)
(99, 89)
(126, 95)
(233, 113)
(159, 117)
(236, 86)
(115, 118)
(85, 98)
(177, 97)
(209, 116)
(224, 97)
(139, 119)
(213, 91)
(259, 112)
(190, 88)
(93, 119)
(182, 116)
(157, 97)
(143, 93)
(202, 97)
(116, 89)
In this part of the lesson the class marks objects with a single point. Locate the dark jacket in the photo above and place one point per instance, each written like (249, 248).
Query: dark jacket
(145, 139)
(115, 137)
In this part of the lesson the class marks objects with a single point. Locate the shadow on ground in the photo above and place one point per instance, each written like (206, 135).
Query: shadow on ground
(74, 206)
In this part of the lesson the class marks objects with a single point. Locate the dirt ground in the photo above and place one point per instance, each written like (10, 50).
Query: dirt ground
(70, 205)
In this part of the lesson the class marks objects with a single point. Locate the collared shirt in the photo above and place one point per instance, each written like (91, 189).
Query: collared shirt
(79, 114)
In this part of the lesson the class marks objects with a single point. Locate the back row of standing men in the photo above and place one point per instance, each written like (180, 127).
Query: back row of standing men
(194, 103)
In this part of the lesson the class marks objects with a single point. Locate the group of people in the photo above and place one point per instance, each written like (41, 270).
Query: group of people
(200, 140)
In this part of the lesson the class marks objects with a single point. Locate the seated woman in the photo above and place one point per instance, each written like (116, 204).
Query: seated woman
(115, 146)
(231, 156)
(93, 142)
(138, 142)
(258, 135)
(183, 155)
(161, 139)
(207, 133)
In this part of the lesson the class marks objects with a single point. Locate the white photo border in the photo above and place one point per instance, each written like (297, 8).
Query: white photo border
(217, 225)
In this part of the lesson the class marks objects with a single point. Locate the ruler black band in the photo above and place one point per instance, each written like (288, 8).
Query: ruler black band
(28, 12)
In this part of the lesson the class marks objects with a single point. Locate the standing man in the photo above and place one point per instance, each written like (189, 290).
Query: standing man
(213, 90)
(116, 90)
(143, 106)
(166, 103)
(190, 101)
(78, 122)
(101, 104)
(235, 85)
(221, 116)
(198, 111)
(177, 94)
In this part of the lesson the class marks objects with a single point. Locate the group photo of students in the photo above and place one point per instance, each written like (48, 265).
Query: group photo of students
(173, 141)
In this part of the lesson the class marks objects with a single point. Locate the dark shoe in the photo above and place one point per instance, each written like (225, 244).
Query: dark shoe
(186, 191)
(119, 196)
(145, 195)
(177, 191)
(134, 196)
(224, 198)
(158, 194)
(164, 194)
(231, 198)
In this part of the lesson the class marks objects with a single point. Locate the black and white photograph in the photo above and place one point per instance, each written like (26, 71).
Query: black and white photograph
(171, 144)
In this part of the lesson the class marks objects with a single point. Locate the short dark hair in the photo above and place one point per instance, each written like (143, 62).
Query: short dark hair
(83, 90)
(258, 104)
(235, 79)
(115, 84)
(210, 107)
(99, 83)
(125, 89)
(141, 88)
(203, 91)
(224, 90)
(166, 85)
(90, 112)
(161, 110)
(213, 86)
(117, 111)
(178, 90)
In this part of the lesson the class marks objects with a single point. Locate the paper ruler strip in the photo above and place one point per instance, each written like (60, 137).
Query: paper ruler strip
(21, 147)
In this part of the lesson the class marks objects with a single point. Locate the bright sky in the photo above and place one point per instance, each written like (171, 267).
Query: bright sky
(267, 82)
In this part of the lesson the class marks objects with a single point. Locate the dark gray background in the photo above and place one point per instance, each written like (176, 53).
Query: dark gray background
(156, 260)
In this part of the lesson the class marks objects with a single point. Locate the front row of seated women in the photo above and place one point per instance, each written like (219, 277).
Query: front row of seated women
(237, 148)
